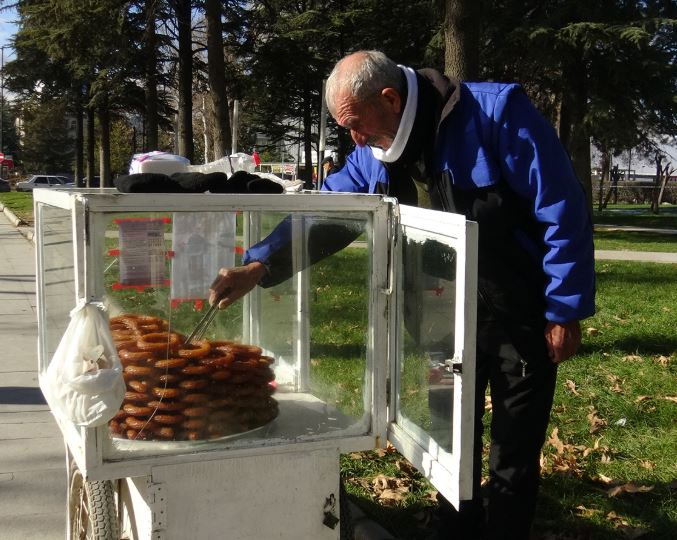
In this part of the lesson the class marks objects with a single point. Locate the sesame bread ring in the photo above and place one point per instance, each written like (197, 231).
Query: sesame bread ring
(166, 392)
(158, 341)
(137, 397)
(218, 361)
(169, 406)
(138, 386)
(168, 419)
(164, 432)
(171, 363)
(196, 397)
(140, 423)
(194, 384)
(138, 411)
(198, 349)
(194, 423)
(197, 412)
(196, 370)
(133, 354)
(221, 375)
(141, 371)
(169, 378)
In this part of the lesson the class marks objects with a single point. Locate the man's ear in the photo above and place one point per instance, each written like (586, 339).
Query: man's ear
(392, 99)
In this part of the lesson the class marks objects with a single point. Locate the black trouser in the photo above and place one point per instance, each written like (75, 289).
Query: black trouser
(521, 403)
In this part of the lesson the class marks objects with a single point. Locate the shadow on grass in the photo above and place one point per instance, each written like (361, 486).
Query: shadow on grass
(577, 509)
(639, 344)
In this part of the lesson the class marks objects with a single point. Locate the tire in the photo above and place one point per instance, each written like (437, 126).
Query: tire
(92, 512)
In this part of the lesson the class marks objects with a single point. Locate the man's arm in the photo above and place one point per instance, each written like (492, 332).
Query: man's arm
(537, 168)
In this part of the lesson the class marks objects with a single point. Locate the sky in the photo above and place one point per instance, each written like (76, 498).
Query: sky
(7, 30)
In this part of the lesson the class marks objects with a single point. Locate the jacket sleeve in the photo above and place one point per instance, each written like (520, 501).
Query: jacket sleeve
(325, 237)
(536, 166)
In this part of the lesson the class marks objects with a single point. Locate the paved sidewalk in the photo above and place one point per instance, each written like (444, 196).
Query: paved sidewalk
(32, 456)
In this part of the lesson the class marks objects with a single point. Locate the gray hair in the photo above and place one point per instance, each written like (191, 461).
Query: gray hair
(367, 73)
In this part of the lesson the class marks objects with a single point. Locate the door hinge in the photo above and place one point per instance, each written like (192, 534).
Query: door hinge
(157, 501)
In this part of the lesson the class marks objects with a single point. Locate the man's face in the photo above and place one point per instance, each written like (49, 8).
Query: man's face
(373, 122)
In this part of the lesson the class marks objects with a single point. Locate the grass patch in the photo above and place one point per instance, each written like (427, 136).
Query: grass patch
(20, 203)
(614, 415)
(635, 241)
(636, 216)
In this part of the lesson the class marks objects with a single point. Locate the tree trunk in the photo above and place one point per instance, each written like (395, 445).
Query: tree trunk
(79, 139)
(666, 176)
(151, 97)
(217, 79)
(91, 166)
(656, 183)
(572, 131)
(307, 137)
(461, 37)
(104, 149)
(604, 175)
(185, 117)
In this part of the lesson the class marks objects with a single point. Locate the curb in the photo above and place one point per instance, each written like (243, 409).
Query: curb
(20, 224)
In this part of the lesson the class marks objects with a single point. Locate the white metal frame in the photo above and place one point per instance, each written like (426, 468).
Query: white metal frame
(89, 445)
(449, 472)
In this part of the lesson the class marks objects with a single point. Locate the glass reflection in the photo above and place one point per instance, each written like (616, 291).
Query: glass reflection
(426, 390)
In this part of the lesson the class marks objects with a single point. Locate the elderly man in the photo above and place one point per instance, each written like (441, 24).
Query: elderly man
(482, 150)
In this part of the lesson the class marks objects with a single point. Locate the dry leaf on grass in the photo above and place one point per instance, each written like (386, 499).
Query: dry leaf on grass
(582, 511)
(596, 423)
(639, 399)
(671, 398)
(645, 463)
(603, 479)
(662, 361)
(571, 386)
(630, 487)
(632, 358)
(590, 331)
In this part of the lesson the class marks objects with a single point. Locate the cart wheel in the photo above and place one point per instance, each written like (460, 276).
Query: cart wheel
(92, 512)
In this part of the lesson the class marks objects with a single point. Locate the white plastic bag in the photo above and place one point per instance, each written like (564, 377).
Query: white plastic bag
(84, 379)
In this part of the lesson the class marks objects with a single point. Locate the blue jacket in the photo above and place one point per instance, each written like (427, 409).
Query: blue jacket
(493, 136)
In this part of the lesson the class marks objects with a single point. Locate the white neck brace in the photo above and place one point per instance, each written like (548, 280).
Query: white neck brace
(404, 130)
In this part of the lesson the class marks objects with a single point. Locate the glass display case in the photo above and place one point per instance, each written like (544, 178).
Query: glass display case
(367, 333)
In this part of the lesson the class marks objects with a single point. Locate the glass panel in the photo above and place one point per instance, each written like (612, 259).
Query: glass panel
(426, 391)
(302, 377)
(58, 293)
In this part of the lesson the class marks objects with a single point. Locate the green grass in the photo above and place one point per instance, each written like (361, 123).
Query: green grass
(636, 216)
(635, 241)
(21, 204)
(626, 369)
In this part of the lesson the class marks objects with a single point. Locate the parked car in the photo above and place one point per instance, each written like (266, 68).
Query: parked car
(4, 186)
(43, 181)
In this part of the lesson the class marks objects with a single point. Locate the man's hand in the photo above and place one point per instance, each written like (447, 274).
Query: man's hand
(563, 340)
(233, 283)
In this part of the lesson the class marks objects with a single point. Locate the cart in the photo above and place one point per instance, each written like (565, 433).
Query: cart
(372, 343)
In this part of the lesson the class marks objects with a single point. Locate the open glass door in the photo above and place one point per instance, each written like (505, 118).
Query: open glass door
(433, 347)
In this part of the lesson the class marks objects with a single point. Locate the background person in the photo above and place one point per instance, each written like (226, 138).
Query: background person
(482, 150)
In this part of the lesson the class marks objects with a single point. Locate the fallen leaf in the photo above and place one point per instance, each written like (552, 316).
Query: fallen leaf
(632, 358)
(630, 487)
(639, 399)
(671, 398)
(555, 442)
(590, 331)
(487, 403)
(596, 423)
(571, 386)
(582, 511)
(392, 496)
(603, 479)
(647, 464)
(663, 361)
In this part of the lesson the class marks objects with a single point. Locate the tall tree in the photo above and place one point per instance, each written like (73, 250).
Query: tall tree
(182, 11)
(462, 39)
(217, 79)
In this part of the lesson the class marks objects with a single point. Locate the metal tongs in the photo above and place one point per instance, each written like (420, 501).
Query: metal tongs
(202, 325)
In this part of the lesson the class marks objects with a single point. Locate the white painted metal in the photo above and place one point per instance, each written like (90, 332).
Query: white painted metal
(449, 471)
(278, 496)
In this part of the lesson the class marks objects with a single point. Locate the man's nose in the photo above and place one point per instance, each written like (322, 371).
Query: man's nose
(360, 140)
